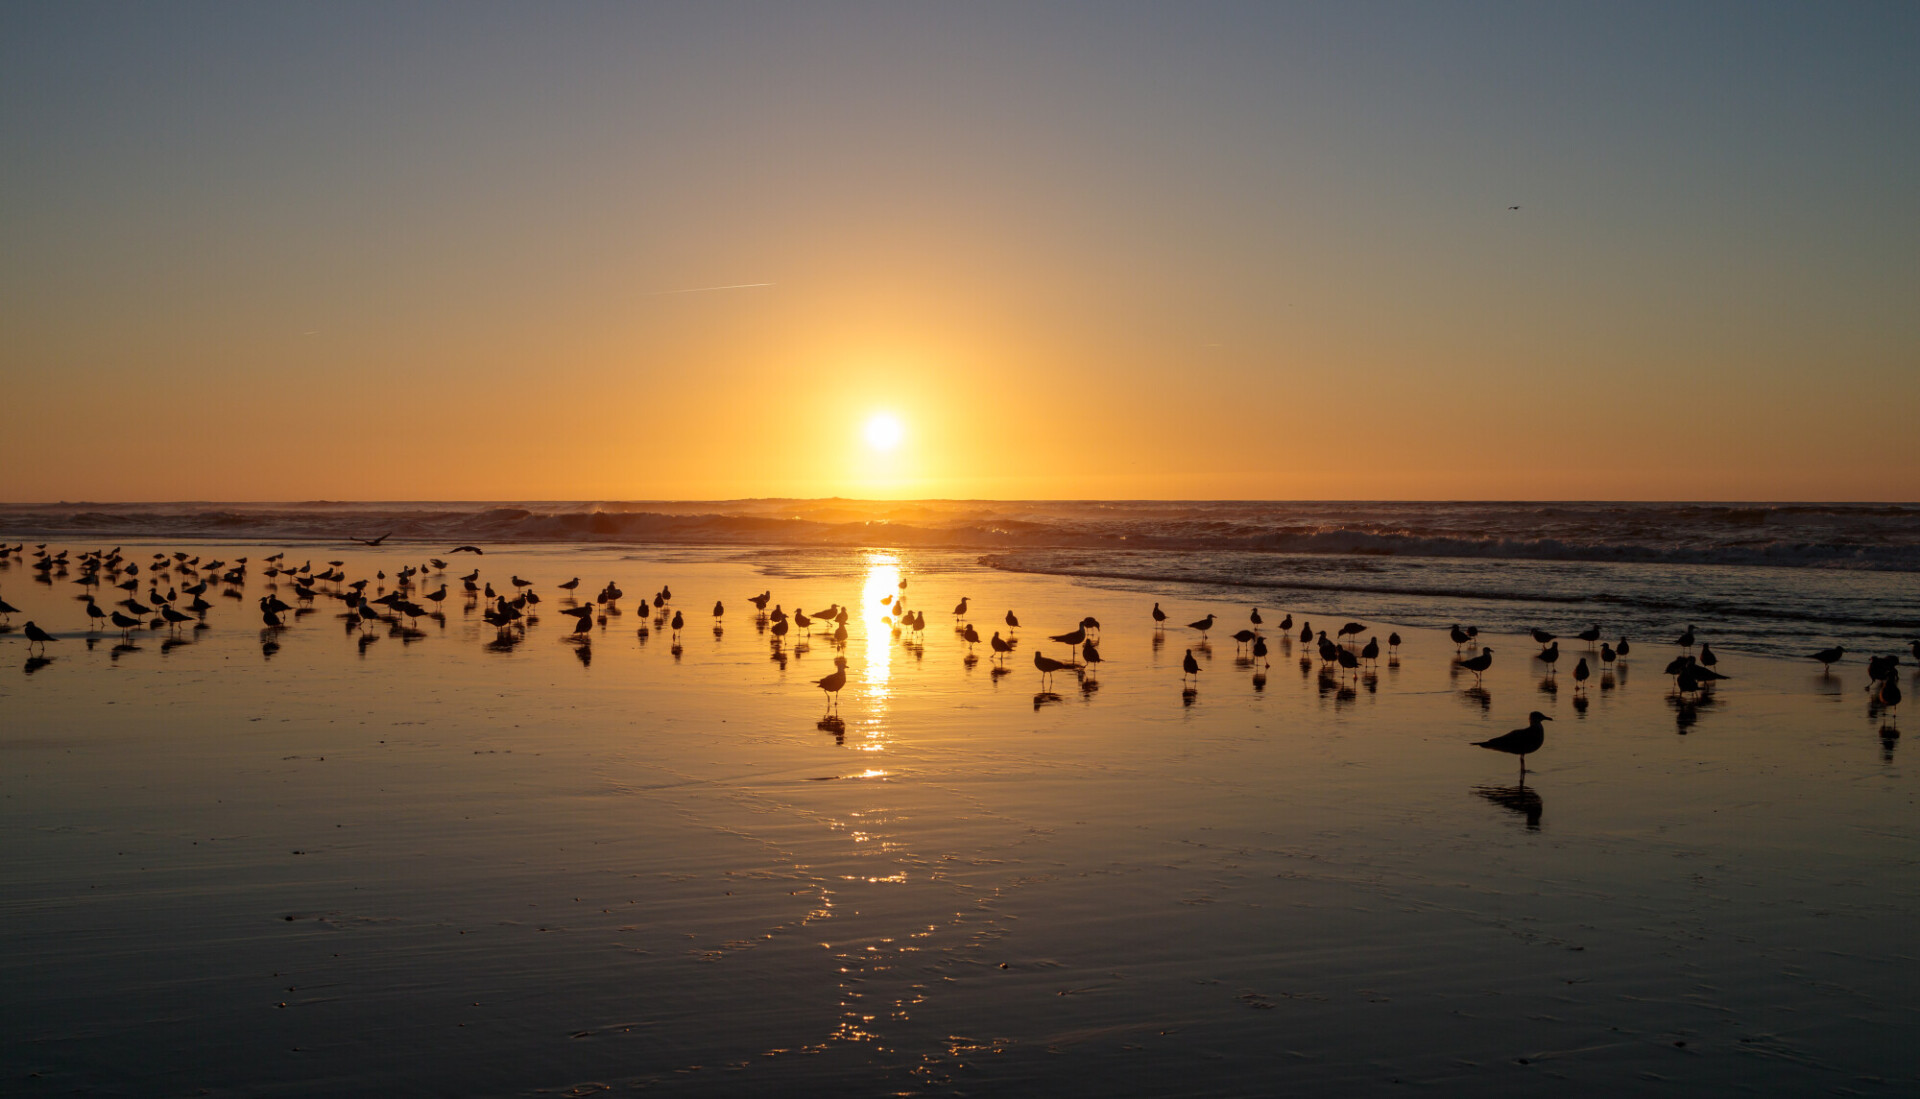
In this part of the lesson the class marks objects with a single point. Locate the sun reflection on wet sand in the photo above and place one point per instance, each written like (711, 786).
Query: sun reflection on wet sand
(882, 580)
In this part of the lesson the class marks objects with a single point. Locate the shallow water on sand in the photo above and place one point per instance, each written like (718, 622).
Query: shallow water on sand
(425, 864)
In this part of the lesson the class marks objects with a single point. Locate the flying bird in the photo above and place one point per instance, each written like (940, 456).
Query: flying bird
(377, 541)
(465, 549)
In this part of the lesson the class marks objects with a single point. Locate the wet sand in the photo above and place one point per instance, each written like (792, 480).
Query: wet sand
(426, 865)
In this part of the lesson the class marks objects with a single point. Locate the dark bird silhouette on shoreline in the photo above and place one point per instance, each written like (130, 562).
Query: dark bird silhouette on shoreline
(1520, 742)
(1478, 664)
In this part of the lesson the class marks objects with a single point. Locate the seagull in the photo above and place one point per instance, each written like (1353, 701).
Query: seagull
(1393, 643)
(1707, 659)
(1191, 667)
(832, 683)
(1260, 651)
(569, 585)
(1089, 652)
(1685, 640)
(1478, 664)
(1830, 657)
(1590, 635)
(37, 636)
(1520, 742)
(1541, 636)
(1160, 619)
(1255, 616)
(1550, 654)
(1889, 696)
(1048, 666)
(1243, 637)
(123, 623)
(1071, 639)
(377, 541)
(1012, 622)
(1000, 646)
(972, 636)
(1580, 674)
(719, 609)
(1351, 629)
(465, 549)
(1372, 650)
(960, 610)
(1203, 625)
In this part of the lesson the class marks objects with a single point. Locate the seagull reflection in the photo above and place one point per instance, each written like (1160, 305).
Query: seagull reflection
(268, 648)
(1189, 696)
(1549, 685)
(1687, 710)
(1517, 799)
(1043, 698)
(585, 655)
(1259, 681)
(35, 663)
(832, 724)
(172, 643)
(1479, 696)
(1889, 736)
(1580, 703)
(365, 640)
(1088, 685)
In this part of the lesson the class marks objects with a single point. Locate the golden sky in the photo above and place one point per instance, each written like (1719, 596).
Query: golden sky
(1096, 251)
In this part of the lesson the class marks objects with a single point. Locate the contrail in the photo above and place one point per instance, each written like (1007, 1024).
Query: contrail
(704, 289)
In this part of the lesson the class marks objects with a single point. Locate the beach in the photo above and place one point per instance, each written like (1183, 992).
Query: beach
(438, 864)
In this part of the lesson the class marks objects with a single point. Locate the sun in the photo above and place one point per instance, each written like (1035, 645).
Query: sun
(884, 431)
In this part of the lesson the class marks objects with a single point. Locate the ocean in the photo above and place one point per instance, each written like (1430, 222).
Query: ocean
(1780, 578)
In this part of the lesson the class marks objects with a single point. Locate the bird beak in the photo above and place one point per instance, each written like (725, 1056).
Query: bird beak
(1544, 717)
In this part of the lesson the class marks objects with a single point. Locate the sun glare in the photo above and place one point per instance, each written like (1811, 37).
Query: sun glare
(884, 432)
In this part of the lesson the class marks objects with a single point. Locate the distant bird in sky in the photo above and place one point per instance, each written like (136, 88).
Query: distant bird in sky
(1513, 207)
(377, 541)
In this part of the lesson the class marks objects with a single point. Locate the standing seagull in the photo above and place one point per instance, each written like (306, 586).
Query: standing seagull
(1829, 657)
(1478, 664)
(1190, 667)
(832, 683)
(1047, 667)
(1520, 742)
(1160, 619)
(1203, 626)
(37, 636)
(1012, 622)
